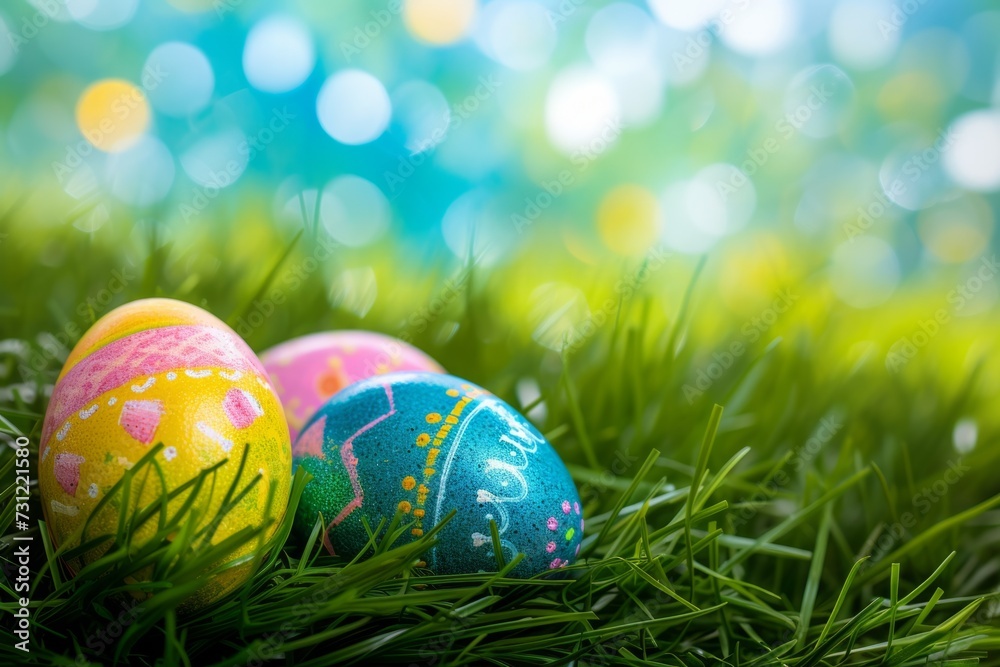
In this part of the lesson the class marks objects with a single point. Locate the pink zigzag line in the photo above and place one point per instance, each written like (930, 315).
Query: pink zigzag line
(351, 464)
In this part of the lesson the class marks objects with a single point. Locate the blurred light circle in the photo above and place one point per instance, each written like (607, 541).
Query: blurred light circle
(516, 33)
(278, 55)
(685, 57)
(102, 14)
(686, 15)
(753, 270)
(473, 224)
(112, 114)
(621, 39)
(582, 111)
(641, 94)
(973, 162)
(683, 228)
(958, 230)
(913, 176)
(558, 311)
(762, 27)
(187, 80)
(965, 435)
(354, 211)
(717, 202)
(439, 21)
(423, 113)
(861, 33)
(823, 96)
(217, 160)
(734, 194)
(864, 272)
(143, 174)
(353, 107)
(8, 52)
(627, 220)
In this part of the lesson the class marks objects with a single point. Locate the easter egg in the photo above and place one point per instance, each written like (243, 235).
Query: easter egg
(424, 444)
(308, 370)
(163, 374)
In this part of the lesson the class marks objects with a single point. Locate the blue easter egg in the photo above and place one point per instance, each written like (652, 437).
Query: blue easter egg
(422, 445)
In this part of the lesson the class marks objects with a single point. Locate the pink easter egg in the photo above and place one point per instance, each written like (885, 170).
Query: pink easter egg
(308, 370)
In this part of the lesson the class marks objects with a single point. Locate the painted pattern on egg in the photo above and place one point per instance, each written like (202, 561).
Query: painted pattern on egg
(188, 382)
(422, 444)
(308, 370)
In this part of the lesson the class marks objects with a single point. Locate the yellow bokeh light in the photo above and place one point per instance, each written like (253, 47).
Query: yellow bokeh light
(958, 230)
(439, 21)
(112, 114)
(754, 271)
(627, 220)
(909, 93)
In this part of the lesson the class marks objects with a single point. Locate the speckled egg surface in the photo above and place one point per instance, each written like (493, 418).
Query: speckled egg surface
(423, 444)
(162, 371)
(308, 370)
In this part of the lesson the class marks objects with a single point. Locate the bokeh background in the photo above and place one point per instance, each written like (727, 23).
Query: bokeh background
(611, 214)
(837, 160)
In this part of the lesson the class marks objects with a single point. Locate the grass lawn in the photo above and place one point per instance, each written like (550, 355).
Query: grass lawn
(766, 480)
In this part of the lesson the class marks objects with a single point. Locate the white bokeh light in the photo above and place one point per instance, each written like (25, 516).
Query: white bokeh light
(279, 55)
(101, 14)
(187, 80)
(622, 39)
(353, 107)
(642, 94)
(762, 27)
(217, 160)
(423, 113)
(354, 211)
(684, 57)
(717, 202)
(581, 110)
(516, 33)
(973, 162)
(828, 95)
(474, 223)
(857, 35)
(965, 435)
(142, 174)
(912, 175)
(864, 272)
(686, 15)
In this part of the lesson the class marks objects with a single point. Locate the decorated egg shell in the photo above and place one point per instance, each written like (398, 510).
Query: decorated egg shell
(424, 444)
(162, 371)
(308, 370)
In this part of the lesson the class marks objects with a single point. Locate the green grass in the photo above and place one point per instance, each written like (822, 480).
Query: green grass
(758, 523)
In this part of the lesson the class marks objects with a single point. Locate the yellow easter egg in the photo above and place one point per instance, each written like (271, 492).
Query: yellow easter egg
(167, 391)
